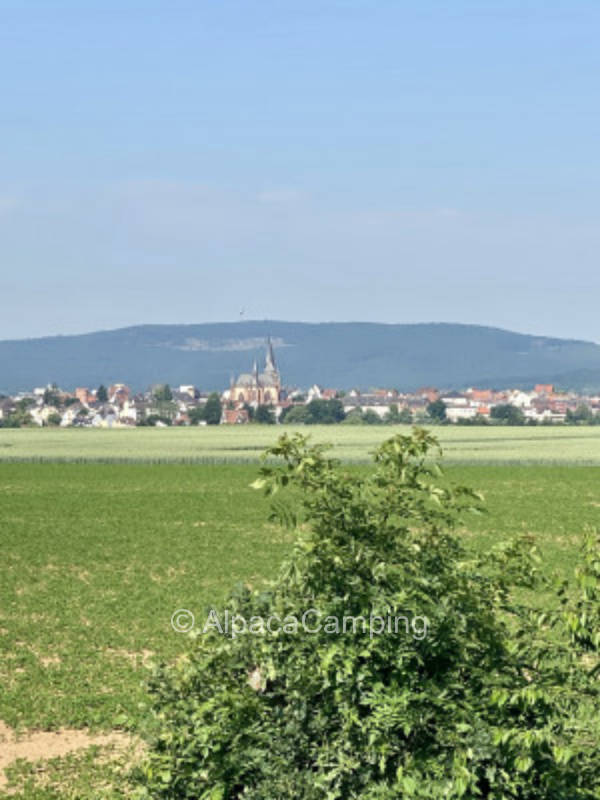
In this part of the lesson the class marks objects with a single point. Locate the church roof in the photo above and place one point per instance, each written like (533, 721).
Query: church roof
(268, 378)
(245, 380)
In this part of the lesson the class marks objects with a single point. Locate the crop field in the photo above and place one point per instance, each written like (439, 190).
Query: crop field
(243, 444)
(96, 557)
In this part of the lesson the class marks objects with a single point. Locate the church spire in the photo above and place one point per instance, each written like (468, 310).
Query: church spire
(270, 360)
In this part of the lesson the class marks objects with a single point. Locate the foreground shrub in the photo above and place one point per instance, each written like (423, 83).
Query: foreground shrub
(497, 700)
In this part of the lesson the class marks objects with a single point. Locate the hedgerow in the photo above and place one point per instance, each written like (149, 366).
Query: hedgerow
(498, 700)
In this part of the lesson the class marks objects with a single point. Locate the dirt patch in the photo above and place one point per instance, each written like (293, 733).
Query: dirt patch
(43, 745)
(82, 574)
(143, 657)
(49, 661)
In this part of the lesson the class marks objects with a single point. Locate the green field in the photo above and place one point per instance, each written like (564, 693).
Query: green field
(96, 557)
(493, 445)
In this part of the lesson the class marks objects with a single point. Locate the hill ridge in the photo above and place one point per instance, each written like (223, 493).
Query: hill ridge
(341, 354)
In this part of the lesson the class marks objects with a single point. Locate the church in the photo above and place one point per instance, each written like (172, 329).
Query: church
(256, 388)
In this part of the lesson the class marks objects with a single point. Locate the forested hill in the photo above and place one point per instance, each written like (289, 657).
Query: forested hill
(340, 355)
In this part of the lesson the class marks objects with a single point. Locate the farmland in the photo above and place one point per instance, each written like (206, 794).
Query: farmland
(95, 557)
(243, 444)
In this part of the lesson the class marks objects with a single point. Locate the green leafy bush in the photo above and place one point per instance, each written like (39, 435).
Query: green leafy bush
(264, 415)
(317, 412)
(497, 700)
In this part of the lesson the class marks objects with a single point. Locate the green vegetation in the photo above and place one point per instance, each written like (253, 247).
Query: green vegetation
(295, 415)
(396, 417)
(317, 412)
(51, 396)
(485, 697)
(101, 394)
(509, 415)
(244, 443)
(20, 415)
(583, 415)
(95, 557)
(15, 420)
(163, 410)
(93, 561)
(162, 392)
(437, 410)
(212, 410)
(264, 415)
(196, 415)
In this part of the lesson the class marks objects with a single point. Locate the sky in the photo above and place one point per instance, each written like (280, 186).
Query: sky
(187, 161)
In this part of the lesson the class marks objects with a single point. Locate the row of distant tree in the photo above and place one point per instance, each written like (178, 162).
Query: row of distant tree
(507, 414)
(165, 409)
(316, 412)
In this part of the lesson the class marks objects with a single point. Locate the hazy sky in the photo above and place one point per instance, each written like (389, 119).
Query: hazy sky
(182, 160)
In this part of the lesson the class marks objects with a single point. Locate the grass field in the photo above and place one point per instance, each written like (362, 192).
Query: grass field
(493, 445)
(96, 557)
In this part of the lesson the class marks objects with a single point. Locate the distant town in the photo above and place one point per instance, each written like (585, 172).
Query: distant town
(259, 397)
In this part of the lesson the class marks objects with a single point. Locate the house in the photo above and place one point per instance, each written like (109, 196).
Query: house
(455, 399)
(127, 412)
(105, 417)
(314, 393)
(428, 393)
(119, 394)
(329, 394)
(85, 397)
(480, 395)
(520, 399)
(71, 413)
(189, 391)
(377, 403)
(455, 413)
(234, 416)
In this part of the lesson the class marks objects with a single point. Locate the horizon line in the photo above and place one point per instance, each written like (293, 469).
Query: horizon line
(289, 322)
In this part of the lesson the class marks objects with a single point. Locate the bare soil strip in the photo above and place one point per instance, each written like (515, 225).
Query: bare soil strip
(43, 745)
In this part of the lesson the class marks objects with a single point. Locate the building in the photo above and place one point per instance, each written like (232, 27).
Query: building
(256, 388)
(84, 395)
(235, 416)
(119, 394)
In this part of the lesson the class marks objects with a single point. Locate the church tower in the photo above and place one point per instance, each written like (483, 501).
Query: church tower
(270, 366)
(259, 388)
(271, 382)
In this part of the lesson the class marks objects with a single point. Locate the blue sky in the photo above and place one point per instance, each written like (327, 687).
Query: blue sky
(175, 161)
